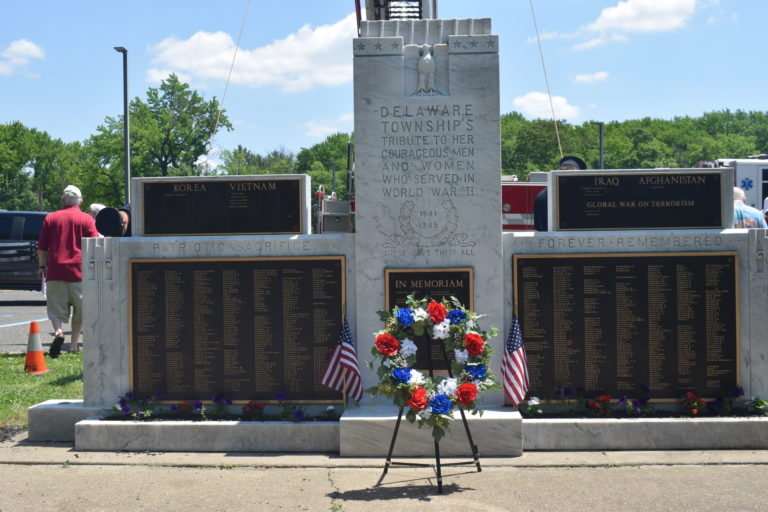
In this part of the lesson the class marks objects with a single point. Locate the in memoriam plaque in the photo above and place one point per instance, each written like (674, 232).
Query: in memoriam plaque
(246, 328)
(654, 325)
(436, 283)
(239, 206)
(627, 200)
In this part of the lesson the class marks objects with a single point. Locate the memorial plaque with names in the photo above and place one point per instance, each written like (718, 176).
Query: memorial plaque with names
(247, 328)
(617, 324)
(239, 206)
(625, 200)
(436, 283)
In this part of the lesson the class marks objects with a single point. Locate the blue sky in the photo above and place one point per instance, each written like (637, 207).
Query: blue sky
(292, 81)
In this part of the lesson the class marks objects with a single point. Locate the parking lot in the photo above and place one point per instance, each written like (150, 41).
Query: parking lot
(17, 310)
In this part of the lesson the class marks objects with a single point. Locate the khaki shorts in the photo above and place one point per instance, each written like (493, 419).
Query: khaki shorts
(61, 296)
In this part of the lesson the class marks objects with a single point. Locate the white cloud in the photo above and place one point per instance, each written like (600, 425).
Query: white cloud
(322, 128)
(536, 105)
(17, 56)
(154, 75)
(644, 16)
(308, 58)
(591, 78)
(636, 16)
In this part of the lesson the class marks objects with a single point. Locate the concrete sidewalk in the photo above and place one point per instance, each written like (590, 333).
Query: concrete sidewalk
(38, 476)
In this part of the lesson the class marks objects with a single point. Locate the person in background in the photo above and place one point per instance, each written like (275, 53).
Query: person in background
(60, 259)
(567, 163)
(744, 216)
(95, 208)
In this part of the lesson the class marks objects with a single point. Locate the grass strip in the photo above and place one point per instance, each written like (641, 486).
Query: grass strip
(19, 390)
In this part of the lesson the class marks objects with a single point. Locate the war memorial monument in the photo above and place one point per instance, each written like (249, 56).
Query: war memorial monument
(222, 287)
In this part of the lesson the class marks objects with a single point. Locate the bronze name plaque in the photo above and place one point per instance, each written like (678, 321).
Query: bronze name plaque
(621, 324)
(437, 283)
(222, 207)
(245, 328)
(625, 200)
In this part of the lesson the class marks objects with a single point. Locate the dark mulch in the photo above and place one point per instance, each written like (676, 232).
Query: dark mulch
(8, 432)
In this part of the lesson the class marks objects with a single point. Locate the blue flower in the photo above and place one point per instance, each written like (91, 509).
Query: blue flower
(402, 375)
(441, 404)
(405, 317)
(478, 371)
(456, 316)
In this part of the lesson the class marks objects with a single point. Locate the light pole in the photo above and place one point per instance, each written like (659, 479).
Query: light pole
(126, 132)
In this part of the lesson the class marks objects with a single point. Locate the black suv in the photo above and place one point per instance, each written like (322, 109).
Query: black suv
(19, 232)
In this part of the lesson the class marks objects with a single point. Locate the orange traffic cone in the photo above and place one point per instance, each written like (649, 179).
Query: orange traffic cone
(35, 361)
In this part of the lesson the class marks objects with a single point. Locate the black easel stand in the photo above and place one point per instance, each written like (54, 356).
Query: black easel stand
(472, 445)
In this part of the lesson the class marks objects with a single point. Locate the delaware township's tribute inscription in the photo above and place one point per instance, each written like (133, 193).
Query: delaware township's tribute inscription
(247, 328)
(427, 161)
(223, 207)
(617, 324)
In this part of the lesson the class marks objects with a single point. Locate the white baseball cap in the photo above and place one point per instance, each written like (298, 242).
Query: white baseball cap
(72, 191)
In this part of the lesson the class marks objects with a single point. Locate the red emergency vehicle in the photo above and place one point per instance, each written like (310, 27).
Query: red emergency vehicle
(517, 199)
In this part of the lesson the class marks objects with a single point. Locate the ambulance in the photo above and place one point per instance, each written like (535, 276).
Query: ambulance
(751, 175)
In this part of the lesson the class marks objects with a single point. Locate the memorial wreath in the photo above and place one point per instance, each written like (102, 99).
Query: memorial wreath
(433, 403)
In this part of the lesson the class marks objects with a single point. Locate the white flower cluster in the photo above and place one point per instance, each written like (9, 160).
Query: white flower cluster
(407, 348)
(417, 378)
(442, 330)
(420, 314)
(461, 356)
(447, 386)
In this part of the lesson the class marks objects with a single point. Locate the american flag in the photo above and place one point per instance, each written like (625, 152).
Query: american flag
(514, 367)
(343, 370)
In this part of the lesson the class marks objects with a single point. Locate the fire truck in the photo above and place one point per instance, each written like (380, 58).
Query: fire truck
(517, 198)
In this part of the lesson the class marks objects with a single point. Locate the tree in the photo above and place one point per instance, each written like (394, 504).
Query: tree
(172, 129)
(322, 160)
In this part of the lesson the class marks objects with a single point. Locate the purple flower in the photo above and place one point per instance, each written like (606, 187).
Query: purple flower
(198, 405)
(129, 395)
(281, 395)
(126, 410)
(737, 392)
(298, 415)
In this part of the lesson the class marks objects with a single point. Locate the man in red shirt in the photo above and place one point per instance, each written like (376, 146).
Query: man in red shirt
(61, 263)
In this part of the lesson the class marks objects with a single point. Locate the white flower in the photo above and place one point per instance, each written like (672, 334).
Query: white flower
(416, 377)
(441, 330)
(425, 413)
(330, 408)
(461, 356)
(420, 314)
(469, 325)
(407, 348)
(447, 386)
(534, 400)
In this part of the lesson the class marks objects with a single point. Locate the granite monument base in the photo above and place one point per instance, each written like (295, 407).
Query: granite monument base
(367, 432)
(54, 420)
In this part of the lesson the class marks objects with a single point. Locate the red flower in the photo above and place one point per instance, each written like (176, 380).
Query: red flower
(474, 343)
(593, 404)
(386, 344)
(436, 312)
(690, 396)
(604, 398)
(418, 399)
(694, 411)
(466, 393)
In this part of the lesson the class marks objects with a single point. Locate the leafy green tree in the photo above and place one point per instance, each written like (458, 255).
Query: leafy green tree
(325, 159)
(172, 129)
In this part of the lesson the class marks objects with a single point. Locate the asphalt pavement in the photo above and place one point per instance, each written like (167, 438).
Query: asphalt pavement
(17, 310)
(54, 476)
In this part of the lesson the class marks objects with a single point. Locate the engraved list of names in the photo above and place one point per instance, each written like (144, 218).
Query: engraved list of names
(617, 324)
(247, 328)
